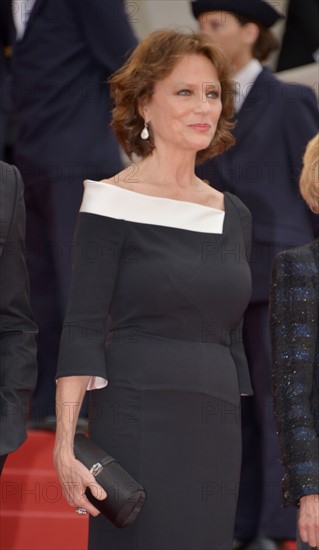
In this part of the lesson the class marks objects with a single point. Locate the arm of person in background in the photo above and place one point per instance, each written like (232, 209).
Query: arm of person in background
(106, 30)
(294, 336)
(18, 367)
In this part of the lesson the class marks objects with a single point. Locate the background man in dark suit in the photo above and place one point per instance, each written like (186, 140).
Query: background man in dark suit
(275, 121)
(64, 53)
(18, 368)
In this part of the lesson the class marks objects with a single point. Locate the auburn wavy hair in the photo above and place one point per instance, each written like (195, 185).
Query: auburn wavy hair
(153, 59)
(309, 179)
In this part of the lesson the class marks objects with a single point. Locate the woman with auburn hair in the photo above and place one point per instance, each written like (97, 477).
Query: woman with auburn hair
(295, 350)
(161, 268)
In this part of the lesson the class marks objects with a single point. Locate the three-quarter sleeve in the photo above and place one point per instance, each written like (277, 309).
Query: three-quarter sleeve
(294, 336)
(97, 251)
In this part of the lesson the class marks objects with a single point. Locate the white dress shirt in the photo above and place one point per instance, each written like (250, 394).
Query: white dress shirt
(21, 10)
(245, 79)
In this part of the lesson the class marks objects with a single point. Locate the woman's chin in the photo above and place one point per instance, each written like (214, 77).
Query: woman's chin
(200, 144)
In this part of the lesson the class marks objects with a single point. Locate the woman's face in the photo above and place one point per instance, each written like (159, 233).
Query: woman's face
(185, 107)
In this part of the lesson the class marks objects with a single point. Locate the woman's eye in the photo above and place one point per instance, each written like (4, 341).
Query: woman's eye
(184, 92)
(212, 94)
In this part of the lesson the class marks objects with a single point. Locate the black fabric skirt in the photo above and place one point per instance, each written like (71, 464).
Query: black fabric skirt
(182, 444)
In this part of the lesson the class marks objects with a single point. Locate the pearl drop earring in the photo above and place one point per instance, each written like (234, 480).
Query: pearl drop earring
(145, 133)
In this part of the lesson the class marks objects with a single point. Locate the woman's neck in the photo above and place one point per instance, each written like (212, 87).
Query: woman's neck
(172, 170)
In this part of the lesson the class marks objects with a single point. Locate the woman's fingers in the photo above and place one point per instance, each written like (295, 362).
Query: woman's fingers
(75, 478)
(308, 522)
(97, 491)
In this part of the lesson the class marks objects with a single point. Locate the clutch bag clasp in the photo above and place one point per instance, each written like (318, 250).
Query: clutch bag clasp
(96, 469)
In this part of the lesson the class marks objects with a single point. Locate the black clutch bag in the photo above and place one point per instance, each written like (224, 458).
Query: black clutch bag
(125, 497)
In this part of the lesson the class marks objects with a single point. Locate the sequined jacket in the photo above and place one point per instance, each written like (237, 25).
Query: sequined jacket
(295, 351)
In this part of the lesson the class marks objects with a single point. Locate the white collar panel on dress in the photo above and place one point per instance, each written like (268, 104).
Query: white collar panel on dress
(105, 199)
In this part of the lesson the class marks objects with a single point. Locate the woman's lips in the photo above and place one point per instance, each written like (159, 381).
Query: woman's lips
(200, 127)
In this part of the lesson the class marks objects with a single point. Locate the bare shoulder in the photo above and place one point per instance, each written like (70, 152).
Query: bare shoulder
(126, 179)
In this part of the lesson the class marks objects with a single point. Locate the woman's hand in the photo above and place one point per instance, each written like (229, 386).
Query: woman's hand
(74, 478)
(308, 523)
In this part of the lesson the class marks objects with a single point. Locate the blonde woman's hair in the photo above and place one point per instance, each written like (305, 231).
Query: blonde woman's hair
(309, 179)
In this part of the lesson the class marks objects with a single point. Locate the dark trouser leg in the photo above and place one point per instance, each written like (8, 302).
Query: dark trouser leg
(259, 509)
(45, 300)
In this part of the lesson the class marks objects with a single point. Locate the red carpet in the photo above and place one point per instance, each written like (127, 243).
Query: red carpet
(33, 513)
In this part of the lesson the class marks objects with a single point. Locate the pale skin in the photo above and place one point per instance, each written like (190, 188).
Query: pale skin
(308, 523)
(182, 114)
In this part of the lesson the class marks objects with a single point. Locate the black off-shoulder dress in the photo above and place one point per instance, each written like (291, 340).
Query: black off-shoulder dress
(168, 282)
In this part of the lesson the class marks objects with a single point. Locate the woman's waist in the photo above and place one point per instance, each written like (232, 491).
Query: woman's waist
(207, 332)
(152, 363)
